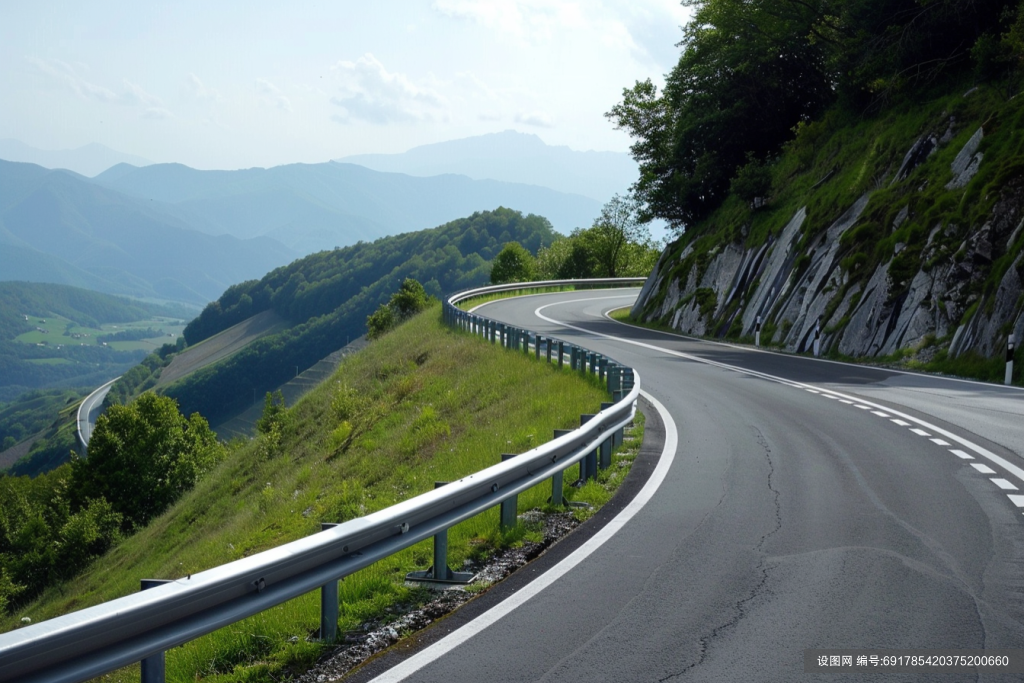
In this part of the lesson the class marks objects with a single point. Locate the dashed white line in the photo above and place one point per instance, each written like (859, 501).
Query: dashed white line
(901, 423)
(879, 413)
(1004, 485)
(939, 442)
(960, 454)
(984, 469)
(857, 405)
(1017, 500)
(843, 400)
(920, 432)
(812, 391)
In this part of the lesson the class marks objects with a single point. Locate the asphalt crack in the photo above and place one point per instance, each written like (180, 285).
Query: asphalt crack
(739, 607)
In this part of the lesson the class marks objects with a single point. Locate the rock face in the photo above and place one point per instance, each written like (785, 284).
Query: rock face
(797, 284)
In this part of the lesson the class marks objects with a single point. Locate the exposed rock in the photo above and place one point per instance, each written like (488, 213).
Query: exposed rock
(966, 164)
(767, 291)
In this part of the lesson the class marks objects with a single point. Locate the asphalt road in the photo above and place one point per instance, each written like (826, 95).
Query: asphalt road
(808, 504)
(90, 409)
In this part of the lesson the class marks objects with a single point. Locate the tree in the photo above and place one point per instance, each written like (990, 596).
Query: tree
(613, 232)
(143, 456)
(409, 300)
(513, 264)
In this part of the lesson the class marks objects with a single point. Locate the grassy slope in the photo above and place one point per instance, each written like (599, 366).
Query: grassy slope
(425, 404)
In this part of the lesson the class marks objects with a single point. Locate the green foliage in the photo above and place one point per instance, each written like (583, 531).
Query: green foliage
(143, 456)
(409, 300)
(273, 413)
(618, 244)
(753, 71)
(329, 296)
(513, 264)
(33, 412)
(45, 537)
(753, 181)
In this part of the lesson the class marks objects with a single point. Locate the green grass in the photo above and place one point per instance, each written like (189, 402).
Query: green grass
(422, 404)
(60, 330)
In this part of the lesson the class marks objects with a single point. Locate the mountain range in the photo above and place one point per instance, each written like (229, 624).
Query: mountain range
(513, 157)
(87, 160)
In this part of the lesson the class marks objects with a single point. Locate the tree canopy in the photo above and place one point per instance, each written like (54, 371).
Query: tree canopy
(752, 70)
(513, 264)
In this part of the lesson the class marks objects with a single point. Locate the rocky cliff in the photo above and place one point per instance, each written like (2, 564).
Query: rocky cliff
(923, 253)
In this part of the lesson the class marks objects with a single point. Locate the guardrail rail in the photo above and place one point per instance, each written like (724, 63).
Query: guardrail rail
(141, 627)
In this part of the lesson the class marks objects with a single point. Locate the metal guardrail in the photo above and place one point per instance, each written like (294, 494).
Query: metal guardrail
(140, 627)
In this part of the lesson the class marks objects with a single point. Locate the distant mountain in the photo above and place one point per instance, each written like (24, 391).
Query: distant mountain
(56, 226)
(310, 207)
(516, 158)
(87, 160)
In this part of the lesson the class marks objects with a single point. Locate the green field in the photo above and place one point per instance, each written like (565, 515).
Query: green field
(56, 332)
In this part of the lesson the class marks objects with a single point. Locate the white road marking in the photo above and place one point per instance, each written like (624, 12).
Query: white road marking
(843, 400)
(983, 452)
(862, 407)
(961, 454)
(834, 398)
(813, 391)
(1017, 500)
(984, 469)
(939, 442)
(901, 423)
(920, 432)
(879, 413)
(1003, 484)
(491, 616)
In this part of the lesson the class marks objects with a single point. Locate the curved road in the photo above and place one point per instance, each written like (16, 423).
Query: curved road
(89, 410)
(809, 504)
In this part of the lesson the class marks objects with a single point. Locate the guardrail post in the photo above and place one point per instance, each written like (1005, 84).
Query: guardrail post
(440, 572)
(526, 342)
(509, 506)
(153, 668)
(328, 603)
(602, 369)
(558, 478)
(547, 349)
(561, 354)
(591, 458)
(491, 327)
(536, 347)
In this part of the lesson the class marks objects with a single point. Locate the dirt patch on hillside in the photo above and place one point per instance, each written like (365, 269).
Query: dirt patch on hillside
(221, 345)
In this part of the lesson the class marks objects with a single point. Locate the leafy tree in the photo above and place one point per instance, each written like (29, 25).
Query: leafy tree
(513, 264)
(753, 181)
(273, 412)
(143, 456)
(409, 300)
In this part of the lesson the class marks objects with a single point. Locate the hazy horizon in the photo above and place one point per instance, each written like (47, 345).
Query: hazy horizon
(240, 86)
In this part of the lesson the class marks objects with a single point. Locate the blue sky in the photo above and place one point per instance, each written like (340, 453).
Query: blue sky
(238, 84)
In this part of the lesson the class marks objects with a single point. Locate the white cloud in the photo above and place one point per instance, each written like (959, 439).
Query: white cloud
(367, 91)
(200, 91)
(535, 118)
(270, 94)
(132, 94)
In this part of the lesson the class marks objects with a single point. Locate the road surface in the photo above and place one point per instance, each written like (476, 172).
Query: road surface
(808, 504)
(90, 409)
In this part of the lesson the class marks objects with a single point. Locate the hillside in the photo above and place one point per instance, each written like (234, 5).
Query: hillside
(324, 300)
(60, 336)
(311, 207)
(513, 157)
(56, 226)
(423, 403)
(881, 202)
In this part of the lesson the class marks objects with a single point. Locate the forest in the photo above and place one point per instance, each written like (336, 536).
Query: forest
(753, 74)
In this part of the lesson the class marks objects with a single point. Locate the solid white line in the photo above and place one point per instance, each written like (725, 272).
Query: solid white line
(961, 454)
(421, 659)
(1003, 484)
(983, 452)
(901, 423)
(920, 432)
(984, 469)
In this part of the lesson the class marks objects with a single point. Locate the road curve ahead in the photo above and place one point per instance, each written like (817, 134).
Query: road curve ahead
(809, 504)
(90, 409)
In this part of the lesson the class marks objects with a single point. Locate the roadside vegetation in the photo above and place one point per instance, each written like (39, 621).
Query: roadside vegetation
(423, 403)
